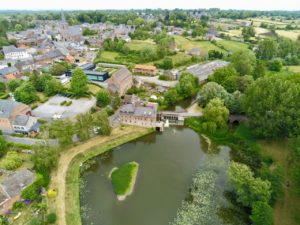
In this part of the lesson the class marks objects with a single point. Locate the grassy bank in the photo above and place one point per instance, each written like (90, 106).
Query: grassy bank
(123, 179)
(72, 178)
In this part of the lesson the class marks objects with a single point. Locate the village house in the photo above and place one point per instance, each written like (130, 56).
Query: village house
(120, 82)
(145, 69)
(13, 53)
(9, 73)
(11, 188)
(16, 117)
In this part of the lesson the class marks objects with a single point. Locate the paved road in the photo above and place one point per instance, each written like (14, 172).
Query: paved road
(29, 141)
(156, 81)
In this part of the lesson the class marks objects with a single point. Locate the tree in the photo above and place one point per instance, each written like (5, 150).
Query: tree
(101, 123)
(79, 83)
(215, 115)
(187, 85)
(243, 61)
(26, 93)
(103, 98)
(63, 130)
(171, 97)
(2, 87)
(267, 49)
(272, 105)
(53, 87)
(166, 64)
(18, 27)
(210, 91)
(225, 76)
(3, 146)
(84, 124)
(262, 214)
(45, 158)
(248, 188)
(259, 70)
(58, 69)
(14, 84)
(275, 65)
(248, 32)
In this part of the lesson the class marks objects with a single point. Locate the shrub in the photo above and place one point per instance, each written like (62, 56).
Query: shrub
(18, 205)
(11, 161)
(51, 218)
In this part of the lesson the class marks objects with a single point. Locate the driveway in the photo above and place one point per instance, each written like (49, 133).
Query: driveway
(156, 81)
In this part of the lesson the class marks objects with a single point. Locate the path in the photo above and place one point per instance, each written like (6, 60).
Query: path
(59, 176)
(29, 141)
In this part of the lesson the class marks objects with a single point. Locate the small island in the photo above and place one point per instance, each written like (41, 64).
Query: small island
(123, 179)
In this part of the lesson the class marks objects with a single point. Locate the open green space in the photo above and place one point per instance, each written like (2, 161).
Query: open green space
(93, 88)
(107, 56)
(233, 46)
(123, 178)
(187, 44)
(138, 45)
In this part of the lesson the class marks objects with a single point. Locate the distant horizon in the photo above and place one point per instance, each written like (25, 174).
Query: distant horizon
(55, 5)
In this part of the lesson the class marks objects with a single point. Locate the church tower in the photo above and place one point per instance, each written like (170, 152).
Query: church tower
(65, 27)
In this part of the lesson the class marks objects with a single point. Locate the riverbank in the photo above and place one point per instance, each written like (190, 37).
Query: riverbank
(123, 179)
(66, 178)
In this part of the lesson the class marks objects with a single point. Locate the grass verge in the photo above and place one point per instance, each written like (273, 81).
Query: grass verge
(72, 178)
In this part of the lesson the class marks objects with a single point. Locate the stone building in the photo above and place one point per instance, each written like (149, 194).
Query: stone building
(120, 82)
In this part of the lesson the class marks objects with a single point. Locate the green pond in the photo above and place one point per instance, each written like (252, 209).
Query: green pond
(168, 162)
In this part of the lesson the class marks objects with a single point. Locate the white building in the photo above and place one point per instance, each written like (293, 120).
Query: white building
(13, 53)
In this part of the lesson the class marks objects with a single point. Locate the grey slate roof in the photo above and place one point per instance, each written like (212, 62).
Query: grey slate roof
(202, 71)
(14, 184)
(7, 107)
(21, 120)
(8, 70)
(11, 48)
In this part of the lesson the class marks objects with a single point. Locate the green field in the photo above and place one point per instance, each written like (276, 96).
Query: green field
(233, 46)
(123, 178)
(138, 45)
(187, 45)
(179, 59)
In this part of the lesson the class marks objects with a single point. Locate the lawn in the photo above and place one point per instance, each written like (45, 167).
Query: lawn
(93, 88)
(233, 46)
(178, 60)
(107, 56)
(123, 178)
(286, 210)
(138, 45)
(295, 69)
(187, 45)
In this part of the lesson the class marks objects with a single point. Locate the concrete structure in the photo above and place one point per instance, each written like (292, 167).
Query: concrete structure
(120, 82)
(145, 69)
(9, 111)
(202, 71)
(52, 108)
(11, 188)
